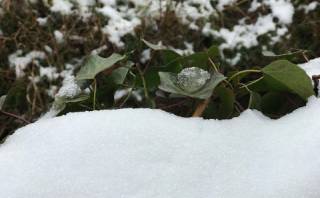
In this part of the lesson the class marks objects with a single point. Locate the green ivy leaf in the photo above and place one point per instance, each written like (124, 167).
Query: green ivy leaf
(96, 64)
(272, 104)
(283, 74)
(225, 106)
(199, 59)
(171, 61)
(254, 101)
(213, 52)
(119, 75)
(169, 82)
(60, 103)
(277, 104)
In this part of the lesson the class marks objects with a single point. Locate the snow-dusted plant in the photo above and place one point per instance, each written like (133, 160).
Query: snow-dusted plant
(192, 81)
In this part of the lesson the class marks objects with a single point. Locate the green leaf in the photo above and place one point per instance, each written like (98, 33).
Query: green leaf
(277, 104)
(118, 75)
(213, 52)
(171, 61)
(208, 88)
(96, 64)
(199, 59)
(169, 82)
(254, 101)
(60, 103)
(225, 106)
(152, 79)
(2, 100)
(283, 75)
(271, 104)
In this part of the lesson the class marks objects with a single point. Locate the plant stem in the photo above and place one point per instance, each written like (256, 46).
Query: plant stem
(200, 108)
(243, 72)
(15, 116)
(251, 83)
(213, 65)
(145, 89)
(94, 93)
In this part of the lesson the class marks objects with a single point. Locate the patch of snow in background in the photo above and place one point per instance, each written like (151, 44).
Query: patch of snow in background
(99, 50)
(61, 6)
(123, 18)
(187, 51)
(58, 36)
(309, 7)
(121, 93)
(19, 62)
(42, 21)
(282, 9)
(145, 56)
(49, 72)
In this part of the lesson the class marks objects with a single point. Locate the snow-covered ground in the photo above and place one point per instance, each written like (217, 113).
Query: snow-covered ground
(145, 153)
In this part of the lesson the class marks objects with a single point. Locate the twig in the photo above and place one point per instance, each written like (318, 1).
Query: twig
(94, 93)
(201, 107)
(243, 72)
(315, 79)
(14, 116)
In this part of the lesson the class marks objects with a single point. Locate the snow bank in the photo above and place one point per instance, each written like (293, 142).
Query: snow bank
(312, 67)
(149, 153)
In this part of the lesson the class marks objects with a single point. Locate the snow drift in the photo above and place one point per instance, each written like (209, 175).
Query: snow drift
(145, 153)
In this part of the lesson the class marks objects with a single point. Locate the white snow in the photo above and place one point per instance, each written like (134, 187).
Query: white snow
(192, 78)
(121, 93)
(61, 6)
(58, 36)
(312, 67)
(42, 21)
(99, 50)
(282, 9)
(123, 17)
(145, 56)
(145, 153)
(223, 3)
(49, 72)
(19, 62)
(69, 88)
(309, 7)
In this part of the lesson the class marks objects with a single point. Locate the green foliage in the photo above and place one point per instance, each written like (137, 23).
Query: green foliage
(222, 106)
(96, 64)
(170, 83)
(283, 75)
(275, 90)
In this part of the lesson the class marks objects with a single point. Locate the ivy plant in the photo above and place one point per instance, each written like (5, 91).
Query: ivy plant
(196, 82)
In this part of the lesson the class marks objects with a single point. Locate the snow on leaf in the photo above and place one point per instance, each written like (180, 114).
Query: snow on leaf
(192, 78)
(199, 84)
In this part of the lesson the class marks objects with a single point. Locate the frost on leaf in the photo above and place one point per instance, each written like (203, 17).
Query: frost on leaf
(192, 78)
